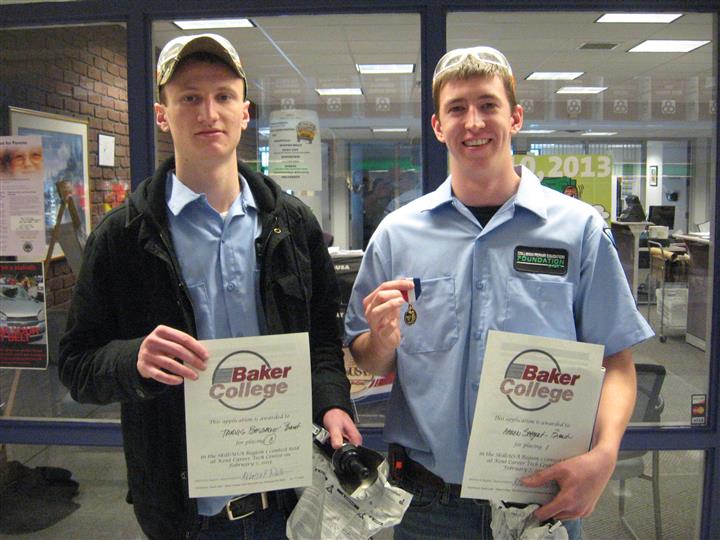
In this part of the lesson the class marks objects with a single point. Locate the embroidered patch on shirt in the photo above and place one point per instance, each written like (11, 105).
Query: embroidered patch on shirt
(541, 260)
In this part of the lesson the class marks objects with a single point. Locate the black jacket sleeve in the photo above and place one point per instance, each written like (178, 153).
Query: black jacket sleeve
(330, 384)
(98, 352)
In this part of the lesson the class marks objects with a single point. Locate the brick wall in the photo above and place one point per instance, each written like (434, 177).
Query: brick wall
(79, 72)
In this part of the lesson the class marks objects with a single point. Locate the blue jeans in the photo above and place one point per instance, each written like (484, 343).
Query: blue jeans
(268, 524)
(433, 516)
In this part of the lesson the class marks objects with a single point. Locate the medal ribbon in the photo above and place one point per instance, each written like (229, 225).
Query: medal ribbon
(412, 295)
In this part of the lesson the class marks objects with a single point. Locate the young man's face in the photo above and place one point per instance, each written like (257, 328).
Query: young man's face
(204, 111)
(476, 122)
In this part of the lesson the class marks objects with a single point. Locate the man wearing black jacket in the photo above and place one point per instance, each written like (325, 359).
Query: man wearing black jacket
(204, 249)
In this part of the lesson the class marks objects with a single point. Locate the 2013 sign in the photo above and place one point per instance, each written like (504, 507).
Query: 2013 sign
(590, 166)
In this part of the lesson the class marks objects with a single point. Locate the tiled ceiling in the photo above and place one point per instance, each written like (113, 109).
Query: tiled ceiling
(649, 94)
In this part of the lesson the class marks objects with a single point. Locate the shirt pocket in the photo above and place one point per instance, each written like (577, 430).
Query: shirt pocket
(436, 328)
(540, 307)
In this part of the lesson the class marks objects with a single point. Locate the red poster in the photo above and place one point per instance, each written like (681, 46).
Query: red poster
(23, 335)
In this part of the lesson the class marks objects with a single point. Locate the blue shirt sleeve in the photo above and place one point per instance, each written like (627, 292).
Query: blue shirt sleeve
(605, 307)
(372, 273)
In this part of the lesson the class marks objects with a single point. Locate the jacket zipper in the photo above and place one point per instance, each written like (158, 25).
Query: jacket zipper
(176, 276)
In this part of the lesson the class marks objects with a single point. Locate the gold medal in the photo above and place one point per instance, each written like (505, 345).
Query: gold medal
(410, 315)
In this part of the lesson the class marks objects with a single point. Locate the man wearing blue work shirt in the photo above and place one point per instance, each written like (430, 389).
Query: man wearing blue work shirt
(466, 246)
(207, 248)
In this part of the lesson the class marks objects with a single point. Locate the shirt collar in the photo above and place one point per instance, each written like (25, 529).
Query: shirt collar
(246, 196)
(442, 195)
(528, 195)
(178, 195)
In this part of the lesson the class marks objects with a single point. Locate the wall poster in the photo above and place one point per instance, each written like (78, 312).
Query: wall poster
(23, 336)
(295, 156)
(22, 221)
(65, 157)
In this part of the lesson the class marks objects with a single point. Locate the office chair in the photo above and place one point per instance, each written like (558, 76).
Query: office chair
(630, 464)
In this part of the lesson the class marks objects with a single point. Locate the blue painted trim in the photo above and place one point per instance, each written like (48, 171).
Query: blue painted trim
(138, 15)
(75, 432)
(140, 76)
(710, 525)
(60, 432)
(433, 44)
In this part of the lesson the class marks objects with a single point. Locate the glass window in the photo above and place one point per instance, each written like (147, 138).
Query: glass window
(367, 159)
(648, 132)
(68, 85)
(654, 494)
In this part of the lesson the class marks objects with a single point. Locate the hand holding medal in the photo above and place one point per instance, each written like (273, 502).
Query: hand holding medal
(411, 297)
(383, 308)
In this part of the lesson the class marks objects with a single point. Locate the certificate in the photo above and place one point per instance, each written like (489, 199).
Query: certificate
(537, 403)
(248, 417)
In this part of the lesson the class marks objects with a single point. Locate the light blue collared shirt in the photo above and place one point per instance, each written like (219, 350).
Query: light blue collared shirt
(470, 285)
(217, 261)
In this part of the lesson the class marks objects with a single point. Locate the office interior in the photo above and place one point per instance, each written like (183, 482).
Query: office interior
(651, 116)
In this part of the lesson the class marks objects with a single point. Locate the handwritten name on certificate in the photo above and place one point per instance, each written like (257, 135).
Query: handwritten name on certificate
(537, 403)
(248, 417)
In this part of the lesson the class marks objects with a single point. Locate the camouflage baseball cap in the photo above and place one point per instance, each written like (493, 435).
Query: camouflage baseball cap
(180, 47)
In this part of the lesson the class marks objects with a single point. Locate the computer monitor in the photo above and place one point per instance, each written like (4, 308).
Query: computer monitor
(662, 215)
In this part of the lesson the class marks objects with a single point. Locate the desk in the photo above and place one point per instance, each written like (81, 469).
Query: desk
(699, 288)
(627, 240)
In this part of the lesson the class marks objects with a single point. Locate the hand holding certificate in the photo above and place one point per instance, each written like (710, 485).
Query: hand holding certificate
(248, 417)
(537, 402)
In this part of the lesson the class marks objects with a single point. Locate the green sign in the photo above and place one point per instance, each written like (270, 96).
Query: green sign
(587, 177)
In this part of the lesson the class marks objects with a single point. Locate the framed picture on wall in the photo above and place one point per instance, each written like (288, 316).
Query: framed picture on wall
(65, 158)
(653, 175)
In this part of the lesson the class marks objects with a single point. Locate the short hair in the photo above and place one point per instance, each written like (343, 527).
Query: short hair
(202, 57)
(472, 67)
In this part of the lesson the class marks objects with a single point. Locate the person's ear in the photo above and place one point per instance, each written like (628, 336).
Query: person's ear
(245, 120)
(437, 128)
(161, 117)
(516, 119)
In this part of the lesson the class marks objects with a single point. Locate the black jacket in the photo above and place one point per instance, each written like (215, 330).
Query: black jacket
(130, 283)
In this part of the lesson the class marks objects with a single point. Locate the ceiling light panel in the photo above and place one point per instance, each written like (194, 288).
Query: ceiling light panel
(339, 91)
(664, 18)
(385, 69)
(668, 45)
(209, 24)
(581, 89)
(554, 75)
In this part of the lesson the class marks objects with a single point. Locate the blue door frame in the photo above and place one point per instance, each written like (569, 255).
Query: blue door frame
(138, 15)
